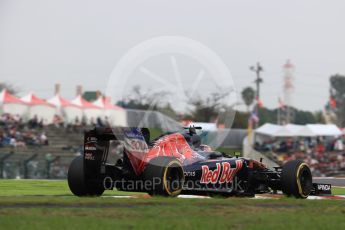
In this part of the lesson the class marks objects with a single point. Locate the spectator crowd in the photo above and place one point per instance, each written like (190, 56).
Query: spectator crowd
(324, 155)
(16, 133)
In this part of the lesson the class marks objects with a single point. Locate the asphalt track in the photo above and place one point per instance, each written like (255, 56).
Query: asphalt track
(330, 180)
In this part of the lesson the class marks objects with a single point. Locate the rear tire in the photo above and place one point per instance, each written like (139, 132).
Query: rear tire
(77, 181)
(165, 175)
(296, 179)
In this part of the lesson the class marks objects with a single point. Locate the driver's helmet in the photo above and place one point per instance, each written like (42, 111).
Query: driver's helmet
(205, 148)
(194, 141)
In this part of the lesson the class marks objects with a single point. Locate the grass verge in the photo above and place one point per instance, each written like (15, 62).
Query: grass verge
(32, 204)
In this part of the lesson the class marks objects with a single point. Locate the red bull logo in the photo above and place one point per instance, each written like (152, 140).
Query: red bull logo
(222, 174)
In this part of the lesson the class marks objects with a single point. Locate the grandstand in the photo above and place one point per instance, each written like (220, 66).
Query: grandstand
(321, 146)
(48, 161)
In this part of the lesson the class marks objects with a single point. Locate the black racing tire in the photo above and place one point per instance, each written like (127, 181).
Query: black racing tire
(164, 176)
(296, 179)
(95, 190)
(77, 182)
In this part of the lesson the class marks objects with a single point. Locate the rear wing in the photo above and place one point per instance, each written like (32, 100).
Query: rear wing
(96, 149)
(97, 143)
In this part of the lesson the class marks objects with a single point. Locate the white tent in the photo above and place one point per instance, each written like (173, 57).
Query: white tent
(305, 131)
(292, 130)
(90, 111)
(66, 109)
(11, 104)
(117, 116)
(324, 130)
(268, 129)
(284, 131)
(40, 108)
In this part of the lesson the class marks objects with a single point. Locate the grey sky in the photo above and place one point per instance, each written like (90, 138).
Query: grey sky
(72, 42)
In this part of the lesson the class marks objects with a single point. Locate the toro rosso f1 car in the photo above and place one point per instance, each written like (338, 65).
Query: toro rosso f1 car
(178, 163)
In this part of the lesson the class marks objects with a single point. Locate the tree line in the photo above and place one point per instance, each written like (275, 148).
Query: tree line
(213, 109)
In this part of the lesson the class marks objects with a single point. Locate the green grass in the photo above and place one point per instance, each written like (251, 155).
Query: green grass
(42, 188)
(33, 204)
(338, 191)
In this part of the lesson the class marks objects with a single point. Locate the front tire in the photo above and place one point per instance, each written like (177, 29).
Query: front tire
(296, 179)
(77, 182)
(165, 176)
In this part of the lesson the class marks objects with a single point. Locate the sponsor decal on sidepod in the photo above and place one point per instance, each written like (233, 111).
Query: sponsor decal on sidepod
(222, 174)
